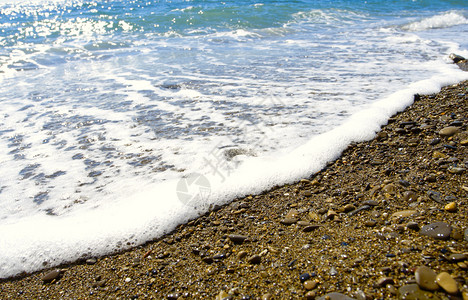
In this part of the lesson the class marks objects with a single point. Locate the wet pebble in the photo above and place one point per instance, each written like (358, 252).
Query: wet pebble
(445, 281)
(437, 230)
(435, 196)
(412, 291)
(449, 131)
(51, 275)
(426, 278)
(310, 228)
(383, 281)
(331, 214)
(359, 209)
(304, 277)
(456, 170)
(241, 254)
(237, 238)
(410, 196)
(370, 223)
(403, 214)
(370, 203)
(413, 226)
(254, 259)
(288, 221)
(303, 223)
(349, 207)
(390, 189)
(310, 284)
(456, 257)
(451, 207)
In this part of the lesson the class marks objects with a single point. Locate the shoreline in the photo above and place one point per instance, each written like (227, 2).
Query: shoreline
(355, 228)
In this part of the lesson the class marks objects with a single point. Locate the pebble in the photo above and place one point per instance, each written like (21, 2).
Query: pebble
(391, 288)
(310, 228)
(310, 295)
(304, 277)
(349, 207)
(437, 230)
(50, 276)
(370, 223)
(237, 238)
(390, 189)
(383, 281)
(426, 278)
(412, 291)
(292, 214)
(335, 296)
(254, 259)
(370, 203)
(288, 221)
(456, 170)
(403, 214)
(449, 131)
(413, 226)
(267, 296)
(91, 261)
(451, 207)
(431, 178)
(310, 284)
(445, 281)
(241, 254)
(359, 209)
(410, 196)
(436, 196)
(462, 265)
(331, 214)
(456, 257)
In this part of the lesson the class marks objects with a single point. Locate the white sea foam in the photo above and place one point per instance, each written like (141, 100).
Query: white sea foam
(95, 138)
(445, 20)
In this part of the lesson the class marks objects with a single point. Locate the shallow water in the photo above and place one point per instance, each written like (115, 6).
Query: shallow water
(108, 105)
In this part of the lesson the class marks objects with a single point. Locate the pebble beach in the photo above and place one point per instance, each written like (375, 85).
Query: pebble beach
(387, 220)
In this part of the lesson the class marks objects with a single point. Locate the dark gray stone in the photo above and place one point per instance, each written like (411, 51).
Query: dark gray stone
(437, 230)
(237, 238)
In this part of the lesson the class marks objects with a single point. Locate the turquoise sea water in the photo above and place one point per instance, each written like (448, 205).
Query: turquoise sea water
(121, 119)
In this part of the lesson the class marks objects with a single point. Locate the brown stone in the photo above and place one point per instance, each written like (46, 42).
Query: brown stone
(426, 278)
(445, 281)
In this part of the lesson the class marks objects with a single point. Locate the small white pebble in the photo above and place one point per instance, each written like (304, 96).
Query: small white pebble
(128, 279)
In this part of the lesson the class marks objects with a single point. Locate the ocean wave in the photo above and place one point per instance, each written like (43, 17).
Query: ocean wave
(448, 19)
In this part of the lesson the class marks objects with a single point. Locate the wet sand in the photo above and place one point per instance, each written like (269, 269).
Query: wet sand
(360, 228)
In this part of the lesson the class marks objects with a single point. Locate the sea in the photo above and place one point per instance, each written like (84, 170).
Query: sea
(122, 119)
